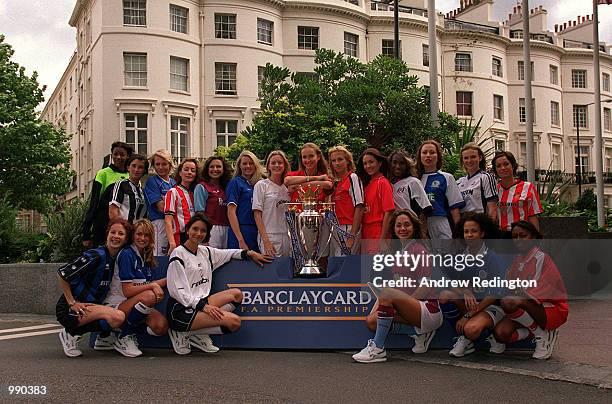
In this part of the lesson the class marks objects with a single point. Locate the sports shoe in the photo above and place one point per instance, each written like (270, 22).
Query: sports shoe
(203, 342)
(371, 354)
(70, 343)
(422, 341)
(105, 343)
(545, 343)
(496, 347)
(127, 346)
(462, 347)
(180, 342)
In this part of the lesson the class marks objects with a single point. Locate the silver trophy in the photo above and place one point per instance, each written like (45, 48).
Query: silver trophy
(309, 232)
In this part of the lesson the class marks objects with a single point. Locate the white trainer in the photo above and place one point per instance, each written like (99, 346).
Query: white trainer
(70, 343)
(180, 342)
(127, 346)
(371, 354)
(545, 343)
(203, 342)
(495, 346)
(422, 341)
(462, 347)
(105, 343)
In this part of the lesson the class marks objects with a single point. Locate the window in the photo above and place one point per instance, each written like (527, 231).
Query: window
(225, 26)
(607, 119)
(608, 160)
(178, 18)
(135, 69)
(496, 67)
(260, 76)
(225, 78)
(179, 73)
(135, 12)
(554, 113)
(581, 159)
(555, 151)
(136, 132)
(500, 145)
(425, 55)
(554, 75)
(464, 103)
(463, 62)
(227, 131)
(308, 38)
(578, 78)
(523, 112)
(580, 116)
(179, 137)
(605, 82)
(388, 47)
(521, 70)
(523, 154)
(265, 30)
(351, 44)
(498, 107)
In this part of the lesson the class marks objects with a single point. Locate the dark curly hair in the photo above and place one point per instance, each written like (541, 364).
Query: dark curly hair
(487, 225)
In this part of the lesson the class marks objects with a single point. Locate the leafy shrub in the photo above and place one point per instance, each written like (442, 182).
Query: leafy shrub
(63, 239)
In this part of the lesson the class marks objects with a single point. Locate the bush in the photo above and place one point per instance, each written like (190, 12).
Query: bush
(63, 240)
(10, 235)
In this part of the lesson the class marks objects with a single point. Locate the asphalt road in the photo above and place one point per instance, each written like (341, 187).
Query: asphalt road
(255, 376)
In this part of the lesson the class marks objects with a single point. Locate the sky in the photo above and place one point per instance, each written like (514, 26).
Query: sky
(43, 41)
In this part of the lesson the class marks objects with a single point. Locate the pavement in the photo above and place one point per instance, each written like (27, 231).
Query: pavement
(580, 370)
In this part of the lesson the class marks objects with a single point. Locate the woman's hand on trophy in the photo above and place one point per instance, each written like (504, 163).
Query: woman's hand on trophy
(269, 248)
(259, 259)
(214, 312)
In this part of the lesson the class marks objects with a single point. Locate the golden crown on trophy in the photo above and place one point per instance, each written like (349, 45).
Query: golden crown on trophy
(309, 194)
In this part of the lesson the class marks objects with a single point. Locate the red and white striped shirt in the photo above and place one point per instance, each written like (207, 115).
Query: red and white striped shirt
(518, 202)
(179, 204)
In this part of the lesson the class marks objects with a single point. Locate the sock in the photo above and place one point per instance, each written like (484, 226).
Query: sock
(403, 329)
(208, 331)
(519, 334)
(136, 316)
(524, 319)
(383, 324)
(450, 313)
(151, 332)
(105, 328)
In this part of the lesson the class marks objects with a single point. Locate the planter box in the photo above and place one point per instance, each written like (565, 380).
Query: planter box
(29, 288)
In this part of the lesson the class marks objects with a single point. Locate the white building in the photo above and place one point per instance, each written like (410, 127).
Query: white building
(183, 74)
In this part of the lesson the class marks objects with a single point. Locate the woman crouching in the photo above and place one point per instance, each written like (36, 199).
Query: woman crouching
(193, 313)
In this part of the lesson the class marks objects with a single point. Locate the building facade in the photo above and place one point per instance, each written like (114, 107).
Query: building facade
(183, 74)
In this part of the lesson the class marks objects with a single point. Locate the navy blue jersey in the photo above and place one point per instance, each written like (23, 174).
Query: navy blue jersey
(89, 275)
(131, 267)
(494, 267)
(240, 193)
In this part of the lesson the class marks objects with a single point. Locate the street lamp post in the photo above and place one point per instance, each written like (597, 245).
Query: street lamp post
(396, 45)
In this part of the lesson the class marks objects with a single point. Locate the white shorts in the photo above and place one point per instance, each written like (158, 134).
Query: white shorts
(439, 228)
(496, 313)
(334, 246)
(161, 238)
(280, 241)
(429, 321)
(218, 236)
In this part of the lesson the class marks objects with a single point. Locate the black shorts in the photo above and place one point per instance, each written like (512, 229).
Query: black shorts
(70, 320)
(179, 317)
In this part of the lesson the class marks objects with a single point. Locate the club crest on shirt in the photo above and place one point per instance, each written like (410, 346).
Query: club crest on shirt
(435, 184)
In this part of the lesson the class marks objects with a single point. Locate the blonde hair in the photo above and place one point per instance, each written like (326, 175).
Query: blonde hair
(285, 162)
(164, 155)
(259, 170)
(148, 228)
(348, 156)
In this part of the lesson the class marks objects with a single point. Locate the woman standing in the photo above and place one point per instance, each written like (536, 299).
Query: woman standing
(179, 203)
(193, 313)
(373, 169)
(517, 199)
(347, 198)
(313, 173)
(269, 198)
(408, 192)
(85, 283)
(478, 188)
(243, 229)
(96, 218)
(135, 293)
(412, 310)
(155, 192)
(210, 198)
(127, 199)
(441, 189)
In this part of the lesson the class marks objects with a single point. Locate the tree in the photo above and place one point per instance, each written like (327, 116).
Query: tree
(345, 101)
(34, 156)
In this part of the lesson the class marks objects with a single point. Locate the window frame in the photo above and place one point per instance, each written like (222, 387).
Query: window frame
(462, 57)
(463, 105)
(497, 70)
(232, 82)
(137, 129)
(388, 47)
(226, 133)
(225, 29)
(263, 31)
(308, 37)
(498, 110)
(177, 21)
(353, 47)
(579, 78)
(143, 73)
(128, 5)
(175, 74)
(580, 111)
(175, 134)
